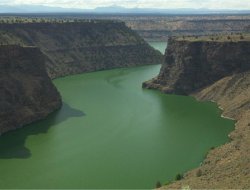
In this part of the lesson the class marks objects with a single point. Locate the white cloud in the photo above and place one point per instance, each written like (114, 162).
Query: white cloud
(212, 4)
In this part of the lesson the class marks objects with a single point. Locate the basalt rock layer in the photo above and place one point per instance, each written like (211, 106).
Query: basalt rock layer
(190, 66)
(78, 47)
(26, 92)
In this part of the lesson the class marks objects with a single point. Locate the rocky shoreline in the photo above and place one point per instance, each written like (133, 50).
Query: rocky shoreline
(228, 84)
(227, 166)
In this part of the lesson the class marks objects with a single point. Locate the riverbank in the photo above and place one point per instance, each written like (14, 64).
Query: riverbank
(228, 166)
(112, 134)
(213, 70)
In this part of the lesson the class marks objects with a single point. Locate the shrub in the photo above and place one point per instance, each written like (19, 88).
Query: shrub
(178, 177)
(158, 184)
(167, 183)
(199, 173)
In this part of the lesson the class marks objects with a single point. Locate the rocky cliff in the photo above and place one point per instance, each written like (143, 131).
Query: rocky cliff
(26, 92)
(215, 71)
(77, 47)
(192, 65)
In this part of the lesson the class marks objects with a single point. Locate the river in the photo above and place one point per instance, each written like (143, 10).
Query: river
(111, 133)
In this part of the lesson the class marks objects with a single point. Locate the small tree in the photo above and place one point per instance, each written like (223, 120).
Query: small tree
(178, 177)
(158, 184)
(228, 37)
(241, 37)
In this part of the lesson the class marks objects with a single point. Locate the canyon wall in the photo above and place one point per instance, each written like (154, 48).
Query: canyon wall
(220, 72)
(157, 27)
(192, 65)
(77, 47)
(26, 92)
(28, 50)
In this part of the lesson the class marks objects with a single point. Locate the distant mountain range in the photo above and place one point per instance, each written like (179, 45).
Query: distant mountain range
(35, 9)
(118, 9)
(113, 10)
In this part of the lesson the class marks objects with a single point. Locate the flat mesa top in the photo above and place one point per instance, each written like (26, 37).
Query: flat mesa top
(216, 38)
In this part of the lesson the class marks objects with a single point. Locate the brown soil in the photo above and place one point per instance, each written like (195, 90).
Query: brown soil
(228, 166)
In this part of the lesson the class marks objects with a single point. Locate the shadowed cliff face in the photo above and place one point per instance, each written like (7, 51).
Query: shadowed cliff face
(190, 66)
(72, 48)
(26, 92)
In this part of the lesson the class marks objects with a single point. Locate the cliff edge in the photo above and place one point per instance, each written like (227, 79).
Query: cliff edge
(219, 72)
(192, 65)
(26, 92)
(78, 47)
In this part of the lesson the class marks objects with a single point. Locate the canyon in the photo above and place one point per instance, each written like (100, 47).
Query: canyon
(154, 27)
(112, 134)
(77, 47)
(34, 53)
(31, 54)
(215, 71)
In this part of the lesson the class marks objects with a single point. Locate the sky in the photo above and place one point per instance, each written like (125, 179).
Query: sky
(167, 4)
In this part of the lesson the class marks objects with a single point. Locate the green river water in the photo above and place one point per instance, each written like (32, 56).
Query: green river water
(111, 133)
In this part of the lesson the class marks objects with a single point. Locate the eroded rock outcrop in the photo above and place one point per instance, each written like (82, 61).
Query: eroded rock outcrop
(79, 47)
(190, 66)
(26, 92)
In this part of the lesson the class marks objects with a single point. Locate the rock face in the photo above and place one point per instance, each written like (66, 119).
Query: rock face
(218, 72)
(73, 48)
(26, 92)
(190, 66)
